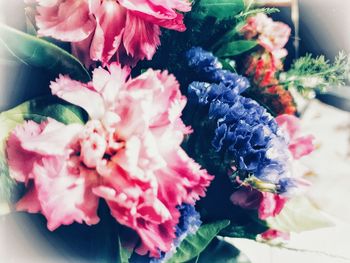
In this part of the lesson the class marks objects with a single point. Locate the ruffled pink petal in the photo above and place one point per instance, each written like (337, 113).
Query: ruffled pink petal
(65, 193)
(141, 38)
(65, 20)
(20, 160)
(176, 101)
(162, 13)
(134, 120)
(54, 139)
(175, 24)
(183, 181)
(110, 19)
(140, 158)
(109, 82)
(79, 94)
(145, 214)
(158, 10)
(168, 102)
(157, 237)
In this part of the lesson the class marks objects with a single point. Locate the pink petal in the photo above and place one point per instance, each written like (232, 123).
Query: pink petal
(146, 215)
(109, 82)
(65, 20)
(299, 146)
(159, 11)
(183, 181)
(135, 119)
(162, 13)
(271, 205)
(273, 234)
(65, 194)
(157, 237)
(302, 146)
(168, 102)
(110, 19)
(140, 158)
(141, 39)
(79, 94)
(54, 138)
(20, 160)
(29, 202)
(289, 124)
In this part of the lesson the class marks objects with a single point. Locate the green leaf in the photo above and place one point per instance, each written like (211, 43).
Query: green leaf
(124, 253)
(193, 245)
(249, 231)
(298, 215)
(221, 9)
(37, 110)
(40, 53)
(235, 48)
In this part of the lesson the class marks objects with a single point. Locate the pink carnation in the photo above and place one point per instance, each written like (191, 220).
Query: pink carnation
(267, 204)
(271, 205)
(273, 36)
(101, 30)
(128, 153)
(299, 145)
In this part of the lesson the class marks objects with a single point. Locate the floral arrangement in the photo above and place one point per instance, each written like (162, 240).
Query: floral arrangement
(169, 123)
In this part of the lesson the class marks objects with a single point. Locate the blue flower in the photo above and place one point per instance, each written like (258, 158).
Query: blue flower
(244, 130)
(208, 68)
(189, 223)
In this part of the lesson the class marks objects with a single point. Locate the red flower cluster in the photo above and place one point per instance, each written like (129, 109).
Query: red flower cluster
(262, 69)
(263, 65)
(285, 103)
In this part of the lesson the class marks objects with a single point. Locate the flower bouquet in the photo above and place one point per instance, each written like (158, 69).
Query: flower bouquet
(163, 126)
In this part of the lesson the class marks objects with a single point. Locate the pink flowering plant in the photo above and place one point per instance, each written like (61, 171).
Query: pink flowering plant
(146, 140)
(105, 30)
(128, 153)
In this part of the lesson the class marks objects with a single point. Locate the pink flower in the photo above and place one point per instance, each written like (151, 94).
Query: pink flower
(271, 205)
(274, 234)
(128, 153)
(59, 188)
(104, 30)
(247, 198)
(299, 145)
(267, 204)
(273, 36)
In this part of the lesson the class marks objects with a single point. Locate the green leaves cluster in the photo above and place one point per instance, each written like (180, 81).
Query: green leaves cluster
(37, 52)
(235, 48)
(192, 246)
(308, 73)
(220, 9)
